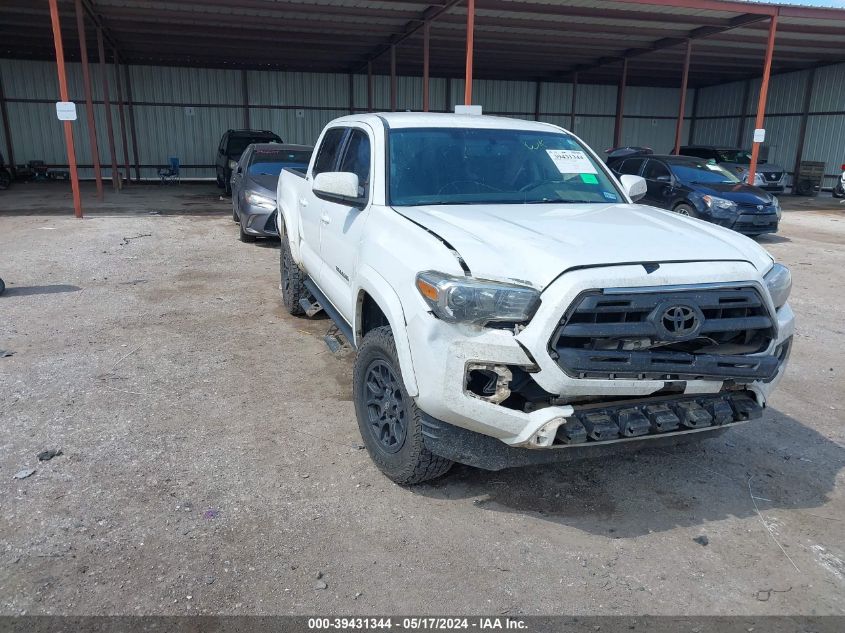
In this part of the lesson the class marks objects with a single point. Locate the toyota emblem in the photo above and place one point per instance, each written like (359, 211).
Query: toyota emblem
(759, 207)
(680, 321)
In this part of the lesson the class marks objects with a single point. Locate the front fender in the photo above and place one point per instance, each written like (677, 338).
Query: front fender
(287, 216)
(371, 282)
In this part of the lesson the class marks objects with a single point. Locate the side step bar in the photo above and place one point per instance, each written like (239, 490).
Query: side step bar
(321, 301)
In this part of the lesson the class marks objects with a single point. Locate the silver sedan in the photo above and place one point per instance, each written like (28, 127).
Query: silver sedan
(254, 185)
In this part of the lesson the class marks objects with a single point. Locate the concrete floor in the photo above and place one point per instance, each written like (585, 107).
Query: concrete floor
(211, 461)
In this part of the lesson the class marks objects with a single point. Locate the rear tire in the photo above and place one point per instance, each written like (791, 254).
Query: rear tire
(2, 286)
(838, 190)
(388, 418)
(5, 179)
(292, 278)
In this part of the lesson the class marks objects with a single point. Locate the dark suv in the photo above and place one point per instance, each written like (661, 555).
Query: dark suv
(702, 189)
(229, 151)
(768, 176)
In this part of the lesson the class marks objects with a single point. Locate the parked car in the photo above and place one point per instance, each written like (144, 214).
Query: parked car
(5, 174)
(768, 176)
(254, 183)
(702, 189)
(839, 187)
(499, 287)
(230, 148)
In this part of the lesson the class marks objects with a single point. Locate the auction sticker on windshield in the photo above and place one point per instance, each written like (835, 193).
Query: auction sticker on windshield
(571, 161)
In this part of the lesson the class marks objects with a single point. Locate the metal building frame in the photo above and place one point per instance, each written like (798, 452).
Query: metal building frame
(604, 42)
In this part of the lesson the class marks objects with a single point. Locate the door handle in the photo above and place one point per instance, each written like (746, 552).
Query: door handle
(325, 219)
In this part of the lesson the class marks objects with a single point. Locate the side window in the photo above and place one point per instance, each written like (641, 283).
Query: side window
(656, 171)
(329, 149)
(631, 166)
(357, 160)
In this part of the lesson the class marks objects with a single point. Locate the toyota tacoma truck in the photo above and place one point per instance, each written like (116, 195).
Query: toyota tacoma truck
(509, 303)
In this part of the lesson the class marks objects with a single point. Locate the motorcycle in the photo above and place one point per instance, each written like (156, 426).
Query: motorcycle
(839, 187)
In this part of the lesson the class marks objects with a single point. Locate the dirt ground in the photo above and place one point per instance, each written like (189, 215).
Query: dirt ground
(211, 459)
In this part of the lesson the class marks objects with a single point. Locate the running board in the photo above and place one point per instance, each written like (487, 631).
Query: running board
(310, 308)
(334, 315)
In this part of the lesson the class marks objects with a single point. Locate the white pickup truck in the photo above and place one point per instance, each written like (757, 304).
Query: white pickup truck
(508, 302)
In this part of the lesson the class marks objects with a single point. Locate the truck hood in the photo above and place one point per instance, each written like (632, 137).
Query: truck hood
(534, 244)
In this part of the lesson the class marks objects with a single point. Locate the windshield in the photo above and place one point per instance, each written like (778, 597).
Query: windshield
(479, 166)
(702, 172)
(738, 156)
(237, 144)
(271, 162)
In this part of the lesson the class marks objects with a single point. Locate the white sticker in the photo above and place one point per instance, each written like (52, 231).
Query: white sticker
(66, 110)
(759, 135)
(571, 161)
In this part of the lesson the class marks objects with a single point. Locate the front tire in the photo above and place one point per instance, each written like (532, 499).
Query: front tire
(839, 190)
(687, 210)
(245, 237)
(292, 278)
(388, 418)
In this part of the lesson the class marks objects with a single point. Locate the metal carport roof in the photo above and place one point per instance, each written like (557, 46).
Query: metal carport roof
(525, 39)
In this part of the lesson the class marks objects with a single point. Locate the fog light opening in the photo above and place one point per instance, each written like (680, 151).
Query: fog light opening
(487, 382)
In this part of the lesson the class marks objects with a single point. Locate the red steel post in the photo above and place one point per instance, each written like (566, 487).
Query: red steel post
(132, 123)
(393, 78)
(115, 177)
(764, 93)
(126, 175)
(574, 101)
(679, 126)
(426, 44)
(71, 152)
(89, 100)
(369, 86)
(620, 104)
(470, 46)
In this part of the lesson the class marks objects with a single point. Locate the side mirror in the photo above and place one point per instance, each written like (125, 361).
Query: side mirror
(635, 186)
(338, 186)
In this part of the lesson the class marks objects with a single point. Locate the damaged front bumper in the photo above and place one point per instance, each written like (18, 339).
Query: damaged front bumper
(474, 390)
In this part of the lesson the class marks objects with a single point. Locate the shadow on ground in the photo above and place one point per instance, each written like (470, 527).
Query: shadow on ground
(25, 291)
(787, 464)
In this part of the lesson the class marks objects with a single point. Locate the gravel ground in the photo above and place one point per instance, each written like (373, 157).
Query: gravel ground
(211, 459)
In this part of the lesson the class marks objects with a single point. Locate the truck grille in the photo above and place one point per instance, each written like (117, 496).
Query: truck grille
(667, 335)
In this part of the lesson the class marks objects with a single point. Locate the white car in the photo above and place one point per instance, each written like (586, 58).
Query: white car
(511, 305)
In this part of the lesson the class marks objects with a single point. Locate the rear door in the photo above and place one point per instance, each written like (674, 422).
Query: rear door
(238, 177)
(659, 181)
(343, 225)
(311, 207)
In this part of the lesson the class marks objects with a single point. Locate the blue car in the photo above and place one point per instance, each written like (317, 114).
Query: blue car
(703, 189)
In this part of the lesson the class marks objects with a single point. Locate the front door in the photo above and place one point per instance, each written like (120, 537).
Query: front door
(342, 226)
(659, 181)
(311, 208)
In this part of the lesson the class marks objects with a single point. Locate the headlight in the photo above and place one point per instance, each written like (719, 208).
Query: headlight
(779, 282)
(776, 204)
(719, 206)
(262, 202)
(233, 165)
(468, 300)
